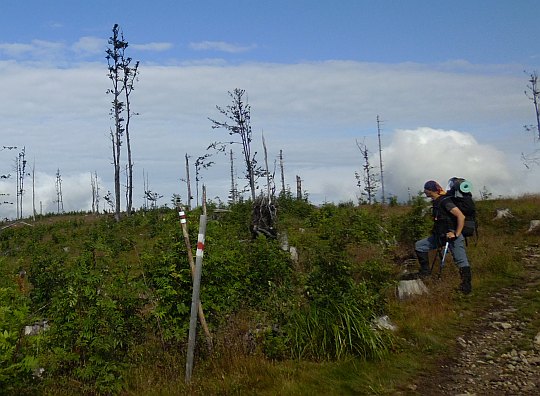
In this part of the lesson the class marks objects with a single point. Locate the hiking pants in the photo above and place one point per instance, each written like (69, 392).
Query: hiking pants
(456, 247)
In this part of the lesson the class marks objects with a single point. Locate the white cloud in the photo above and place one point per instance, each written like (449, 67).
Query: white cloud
(221, 46)
(36, 49)
(15, 49)
(90, 45)
(415, 156)
(155, 47)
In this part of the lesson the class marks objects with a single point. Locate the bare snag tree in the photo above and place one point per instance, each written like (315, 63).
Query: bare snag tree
(367, 180)
(6, 177)
(533, 93)
(122, 76)
(94, 182)
(20, 169)
(238, 125)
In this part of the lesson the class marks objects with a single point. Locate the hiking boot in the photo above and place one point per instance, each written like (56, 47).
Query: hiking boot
(465, 273)
(423, 260)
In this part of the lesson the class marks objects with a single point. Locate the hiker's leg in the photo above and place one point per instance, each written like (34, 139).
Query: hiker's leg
(457, 247)
(422, 248)
(466, 277)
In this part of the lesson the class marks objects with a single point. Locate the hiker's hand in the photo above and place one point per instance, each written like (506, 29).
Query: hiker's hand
(451, 235)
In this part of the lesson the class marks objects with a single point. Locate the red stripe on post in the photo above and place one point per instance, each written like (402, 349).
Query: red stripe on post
(200, 245)
(182, 215)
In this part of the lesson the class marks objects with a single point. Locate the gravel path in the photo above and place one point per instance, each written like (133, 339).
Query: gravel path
(501, 354)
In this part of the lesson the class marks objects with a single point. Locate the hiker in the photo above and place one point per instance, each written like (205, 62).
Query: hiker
(448, 227)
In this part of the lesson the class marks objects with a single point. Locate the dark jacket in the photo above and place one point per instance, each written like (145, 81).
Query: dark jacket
(444, 221)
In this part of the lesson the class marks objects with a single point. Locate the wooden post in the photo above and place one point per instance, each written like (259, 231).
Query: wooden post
(195, 298)
(202, 319)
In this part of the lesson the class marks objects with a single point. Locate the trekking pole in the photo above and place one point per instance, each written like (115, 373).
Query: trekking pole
(441, 266)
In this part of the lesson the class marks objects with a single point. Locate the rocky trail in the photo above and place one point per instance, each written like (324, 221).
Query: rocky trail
(500, 354)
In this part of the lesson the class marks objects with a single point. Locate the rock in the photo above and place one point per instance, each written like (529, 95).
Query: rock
(503, 214)
(36, 328)
(409, 288)
(534, 225)
(294, 254)
(384, 322)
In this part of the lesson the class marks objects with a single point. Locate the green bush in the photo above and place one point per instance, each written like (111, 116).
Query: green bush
(93, 324)
(416, 223)
(17, 361)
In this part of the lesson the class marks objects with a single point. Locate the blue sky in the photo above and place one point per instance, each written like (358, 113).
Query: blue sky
(445, 77)
(485, 32)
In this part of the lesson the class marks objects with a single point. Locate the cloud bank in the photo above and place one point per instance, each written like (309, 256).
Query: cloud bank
(437, 122)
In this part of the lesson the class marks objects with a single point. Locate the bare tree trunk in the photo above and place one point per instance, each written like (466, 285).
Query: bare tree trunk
(298, 188)
(17, 185)
(534, 96)
(129, 169)
(59, 198)
(268, 187)
(97, 191)
(234, 192)
(188, 182)
(127, 190)
(251, 177)
(282, 173)
(93, 187)
(380, 160)
(34, 190)
(145, 187)
(116, 163)
(130, 74)
(129, 166)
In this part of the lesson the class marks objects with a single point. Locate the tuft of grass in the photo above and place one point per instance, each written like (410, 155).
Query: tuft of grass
(335, 331)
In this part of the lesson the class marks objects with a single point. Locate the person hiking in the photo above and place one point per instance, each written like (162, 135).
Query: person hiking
(448, 227)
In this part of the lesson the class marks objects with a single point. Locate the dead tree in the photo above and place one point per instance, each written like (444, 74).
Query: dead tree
(20, 169)
(270, 186)
(238, 124)
(367, 181)
(94, 182)
(152, 197)
(34, 190)
(59, 198)
(264, 218)
(200, 164)
(380, 160)
(533, 93)
(122, 76)
(282, 173)
(3, 200)
(233, 194)
(188, 182)
(264, 215)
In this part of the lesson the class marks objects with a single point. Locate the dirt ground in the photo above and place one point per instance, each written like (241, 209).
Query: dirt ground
(500, 354)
